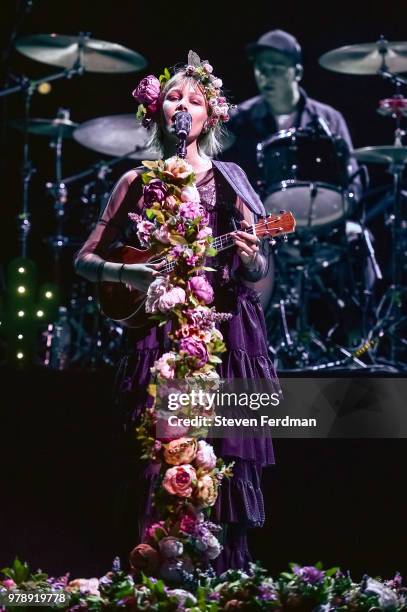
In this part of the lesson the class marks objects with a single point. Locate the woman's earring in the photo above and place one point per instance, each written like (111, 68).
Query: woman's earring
(205, 128)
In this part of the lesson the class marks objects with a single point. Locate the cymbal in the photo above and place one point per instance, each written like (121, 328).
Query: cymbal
(97, 55)
(116, 135)
(51, 128)
(366, 58)
(381, 155)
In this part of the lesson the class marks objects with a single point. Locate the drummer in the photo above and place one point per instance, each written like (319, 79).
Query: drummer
(281, 104)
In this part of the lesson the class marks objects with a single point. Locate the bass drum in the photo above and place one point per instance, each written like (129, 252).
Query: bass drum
(307, 173)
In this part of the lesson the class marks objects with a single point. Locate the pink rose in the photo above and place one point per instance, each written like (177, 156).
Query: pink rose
(147, 91)
(171, 298)
(205, 457)
(155, 191)
(162, 234)
(144, 230)
(217, 83)
(201, 288)
(180, 451)
(154, 531)
(179, 480)
(165, 366)
(188, 523)
(190, 194)
(207, 67)
(191, 210)
(170, 547)
(8, 583)
(144, 558)
(204, 233)
(195, 348)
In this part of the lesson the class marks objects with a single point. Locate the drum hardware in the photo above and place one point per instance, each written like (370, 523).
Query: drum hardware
(28, 87)
(367, 58)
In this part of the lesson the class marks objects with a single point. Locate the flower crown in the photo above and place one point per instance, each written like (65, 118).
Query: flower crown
(148, 91)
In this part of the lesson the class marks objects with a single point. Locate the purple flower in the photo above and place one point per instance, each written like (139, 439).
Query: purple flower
(267, 593)
(191, 210)
(155, 191)
(309, 574)
(195, 348)
(147, 91)
(201, 288)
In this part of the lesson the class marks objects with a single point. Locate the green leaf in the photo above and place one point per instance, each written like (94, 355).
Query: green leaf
(211, 252)
(332, 570)
(177, 239)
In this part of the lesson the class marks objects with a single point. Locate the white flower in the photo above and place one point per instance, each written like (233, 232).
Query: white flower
(182, 596)
(387, 598)
(190, 194)
(205, 457)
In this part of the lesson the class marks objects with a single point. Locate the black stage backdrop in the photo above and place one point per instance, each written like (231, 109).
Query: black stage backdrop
(338, 501)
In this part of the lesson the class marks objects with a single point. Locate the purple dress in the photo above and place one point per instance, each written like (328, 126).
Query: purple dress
(240, 502)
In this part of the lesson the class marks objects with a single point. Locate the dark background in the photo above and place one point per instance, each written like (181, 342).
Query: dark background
(338, 501)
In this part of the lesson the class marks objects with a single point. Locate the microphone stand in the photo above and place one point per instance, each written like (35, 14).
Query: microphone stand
(182, 146)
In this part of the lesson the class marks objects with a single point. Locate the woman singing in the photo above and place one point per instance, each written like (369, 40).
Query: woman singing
(230, 202)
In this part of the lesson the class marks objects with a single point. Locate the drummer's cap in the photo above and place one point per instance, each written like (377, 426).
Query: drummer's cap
(276, 40)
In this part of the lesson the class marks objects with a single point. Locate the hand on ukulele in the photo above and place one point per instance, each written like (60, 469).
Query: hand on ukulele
(140, 276)
(247, 245)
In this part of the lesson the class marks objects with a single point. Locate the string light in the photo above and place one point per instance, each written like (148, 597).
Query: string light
(49, 295)
(40, 313)
(20, 355)
(21, 270)
(21, 289)
(21, 313)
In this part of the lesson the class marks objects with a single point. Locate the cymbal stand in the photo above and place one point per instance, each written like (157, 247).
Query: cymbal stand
(28, 87)
(389, 311)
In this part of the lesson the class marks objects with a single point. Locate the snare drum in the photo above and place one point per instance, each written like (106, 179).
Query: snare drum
(307, 173)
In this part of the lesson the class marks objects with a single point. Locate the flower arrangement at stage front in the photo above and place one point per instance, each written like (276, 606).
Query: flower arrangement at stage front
(175, 225)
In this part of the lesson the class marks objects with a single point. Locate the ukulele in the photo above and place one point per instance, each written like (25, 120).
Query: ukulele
(125, 304)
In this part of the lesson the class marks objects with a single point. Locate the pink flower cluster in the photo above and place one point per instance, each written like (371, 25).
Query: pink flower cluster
(147, 94)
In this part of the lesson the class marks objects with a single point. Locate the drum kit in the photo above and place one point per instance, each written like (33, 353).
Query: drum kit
(93, 338)
(304, 170)
(323, 308)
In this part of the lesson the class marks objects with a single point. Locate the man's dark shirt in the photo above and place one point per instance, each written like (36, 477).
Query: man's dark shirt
(253, 122)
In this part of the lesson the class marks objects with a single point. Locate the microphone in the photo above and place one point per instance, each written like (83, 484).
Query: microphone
(182, 124)
(322, 124)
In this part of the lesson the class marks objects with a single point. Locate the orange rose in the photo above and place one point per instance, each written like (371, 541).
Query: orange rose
(177, 169)
(206, 491)
(180, 451)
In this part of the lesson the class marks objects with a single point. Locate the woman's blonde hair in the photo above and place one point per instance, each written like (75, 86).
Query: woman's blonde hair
(209, 142)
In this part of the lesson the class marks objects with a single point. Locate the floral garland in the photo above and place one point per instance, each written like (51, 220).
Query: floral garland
(308, 588)
(148, 92)
(176, 225)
